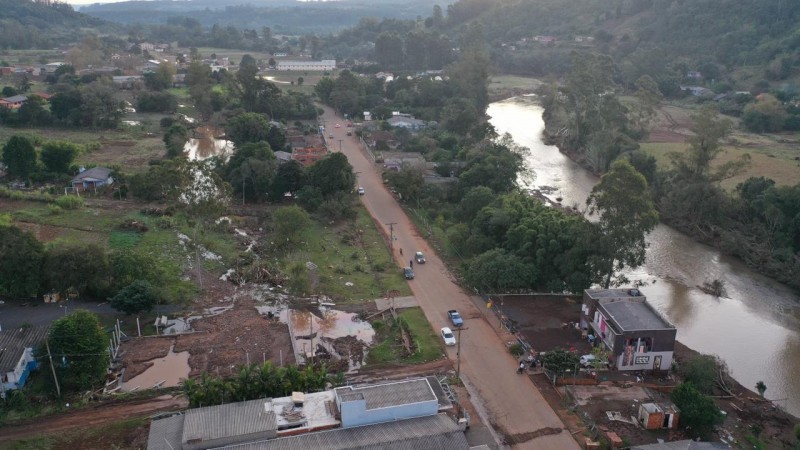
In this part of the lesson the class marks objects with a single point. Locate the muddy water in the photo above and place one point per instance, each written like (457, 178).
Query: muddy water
(755, 330)
(341, 334)
(207, 144)
(169, 369)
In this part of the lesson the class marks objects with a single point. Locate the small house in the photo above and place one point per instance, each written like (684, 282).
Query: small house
(52, 297)
(638, 337)
(655, 416)
(92, 179)
(16, 355)
(13, 102)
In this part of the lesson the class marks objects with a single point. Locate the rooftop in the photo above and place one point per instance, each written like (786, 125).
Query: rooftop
(629, 309)
(95, 173)
(16, 98)
(389, 394)
(437, 432)
(13, 341)
(233, 419)
(165, 434)
(317, 411)
(686, 444)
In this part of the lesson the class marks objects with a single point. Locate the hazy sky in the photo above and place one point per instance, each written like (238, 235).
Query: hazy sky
(89, 2)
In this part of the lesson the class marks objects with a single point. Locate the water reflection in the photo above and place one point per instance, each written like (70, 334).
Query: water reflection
(208, 144)
(755, 330)
(165, 372)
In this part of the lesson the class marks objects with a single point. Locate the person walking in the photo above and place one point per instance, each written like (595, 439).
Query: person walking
(401, 251)
(411, 263)
(521, 367)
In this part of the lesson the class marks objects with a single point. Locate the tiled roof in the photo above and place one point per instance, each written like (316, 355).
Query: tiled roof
(389, 394)
(95, 173)
(233, 419)
(13, 341)
(437, 432)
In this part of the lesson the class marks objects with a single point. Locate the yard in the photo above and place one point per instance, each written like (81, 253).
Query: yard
(390, 349)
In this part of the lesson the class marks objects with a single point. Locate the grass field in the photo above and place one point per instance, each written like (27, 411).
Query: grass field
(390, 349)
(505, 85)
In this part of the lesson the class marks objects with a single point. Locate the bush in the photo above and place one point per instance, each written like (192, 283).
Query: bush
(136, 297)
(701, 371)
(54, 209)
(699, 413)
(517, 350)
(69, 202)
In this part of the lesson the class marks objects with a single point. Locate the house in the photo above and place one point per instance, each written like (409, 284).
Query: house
(698, 91)
(283, 157)
(654, 416)
(406, 121)
(127, 81)
(375, 139)
(638, 337)
(378, 416)
(52, 297)
(694, 75)
(92, 179)
(367, 116)
(325, 64)
(13, 102)
(545, 39)
(307, 149)
(16, 355)
(6, 70)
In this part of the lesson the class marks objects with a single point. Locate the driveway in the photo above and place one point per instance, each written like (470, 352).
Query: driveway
(512, 403)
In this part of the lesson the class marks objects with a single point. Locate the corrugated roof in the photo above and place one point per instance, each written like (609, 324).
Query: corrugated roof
(233, 419)
(444, 402)
(390, 394)
(423, 433)
(13, 341)
(165, 434)
(16, 98)
(95, 173)
(685, 444)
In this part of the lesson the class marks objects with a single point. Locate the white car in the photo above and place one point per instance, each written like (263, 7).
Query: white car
(448, 336)
(361, 191)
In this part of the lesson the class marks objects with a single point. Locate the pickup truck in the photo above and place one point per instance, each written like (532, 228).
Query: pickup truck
(455, 317)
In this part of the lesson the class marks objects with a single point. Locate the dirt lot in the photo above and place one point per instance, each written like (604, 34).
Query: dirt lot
(221, 341)
(540, 320)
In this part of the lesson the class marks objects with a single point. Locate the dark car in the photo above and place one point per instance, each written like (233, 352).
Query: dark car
(408, 274)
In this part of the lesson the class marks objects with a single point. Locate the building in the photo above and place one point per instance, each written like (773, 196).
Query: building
(127, 81)
(638, 337)
(685, 444)
(406, 121)
(16, 355)
(13, 102)
(92, 179)
(654, 416)
(377, 416)
(385, 402)
(307, 149)
(325, 64)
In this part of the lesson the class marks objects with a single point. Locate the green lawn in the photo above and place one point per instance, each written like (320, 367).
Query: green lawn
(390, 349)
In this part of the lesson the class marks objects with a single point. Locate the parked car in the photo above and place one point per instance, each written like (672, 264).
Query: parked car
(419, 257)
(448, 336)
(330, 136)
(408, 274)
(361, 190)
(455, 317)
(349, 133)
(587, 360)
(338, 125)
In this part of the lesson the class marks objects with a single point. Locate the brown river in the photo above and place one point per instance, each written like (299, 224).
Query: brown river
(755, 329)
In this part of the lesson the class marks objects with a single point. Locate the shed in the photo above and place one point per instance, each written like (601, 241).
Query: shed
(16, 355)
(654, 416)
(92, 179)
(364, 405)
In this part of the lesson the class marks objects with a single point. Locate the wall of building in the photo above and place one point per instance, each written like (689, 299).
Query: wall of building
(230, 440)
(355, 413)
(16, 378)
(666, 361)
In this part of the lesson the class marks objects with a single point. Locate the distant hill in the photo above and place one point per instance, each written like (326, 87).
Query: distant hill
(25, 24)
(283, 16)
(643, 36)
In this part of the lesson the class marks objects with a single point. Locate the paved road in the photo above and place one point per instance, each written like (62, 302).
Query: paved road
(512, 402)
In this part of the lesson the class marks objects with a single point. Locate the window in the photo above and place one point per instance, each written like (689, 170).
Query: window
(641, 360)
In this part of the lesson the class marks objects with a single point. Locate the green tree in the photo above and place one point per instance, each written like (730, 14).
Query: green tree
(75, 266)
(161, 78)
(408, 182)
(78, 346)
(248, 127)
(290, 177)
(560, 361)
(644, 110)
(699, 414)
(497, 270)
(33, 112)
(19, 156)
(627, 214)
(766, 115)
(20, 262)
(129, 265)
(290, 222)
(175, 139)
(137, 297)
(701, 371)
(389, 50)
(704, 146)
(332, 174)
(57, 156)
(761, 387)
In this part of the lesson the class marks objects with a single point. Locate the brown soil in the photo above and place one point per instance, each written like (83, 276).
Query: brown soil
(95, 414)
(227, 339)
(546, 322)
(137, 353)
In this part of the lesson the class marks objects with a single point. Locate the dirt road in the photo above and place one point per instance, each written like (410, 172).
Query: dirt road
(103, 413)
(513, 404)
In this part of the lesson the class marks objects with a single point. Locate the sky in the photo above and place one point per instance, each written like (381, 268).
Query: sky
(90, 2)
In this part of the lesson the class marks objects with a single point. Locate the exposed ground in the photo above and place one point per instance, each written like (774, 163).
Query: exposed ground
(539, 321)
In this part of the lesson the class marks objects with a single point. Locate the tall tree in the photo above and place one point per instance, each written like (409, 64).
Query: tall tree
(627, 214)
(20, 262)
(79, 344)
(332, 174)
(58, 156)
(389, 50)
(19, 156)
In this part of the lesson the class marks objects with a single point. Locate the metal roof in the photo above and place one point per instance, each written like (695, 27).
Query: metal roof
(437, 432)
(686, 444)
(165, 434)
(233, 419)
(635, 314)
(16, 98)
(95, 173)
(389, 394)
(13, 341)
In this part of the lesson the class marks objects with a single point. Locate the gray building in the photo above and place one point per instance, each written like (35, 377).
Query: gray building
(686, 444)
(16, 355)
(385, 402)
(635, 333)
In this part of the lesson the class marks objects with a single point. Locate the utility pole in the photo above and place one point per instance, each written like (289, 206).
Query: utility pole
(458, 360)
(49, 356)
(340, 146)
(391, 236)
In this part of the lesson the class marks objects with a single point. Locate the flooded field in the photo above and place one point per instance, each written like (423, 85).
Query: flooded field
(332, 334)
(165, 372)
(208, 144)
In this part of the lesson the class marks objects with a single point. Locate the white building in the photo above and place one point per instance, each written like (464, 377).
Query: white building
(325, 64)
(16, 355)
